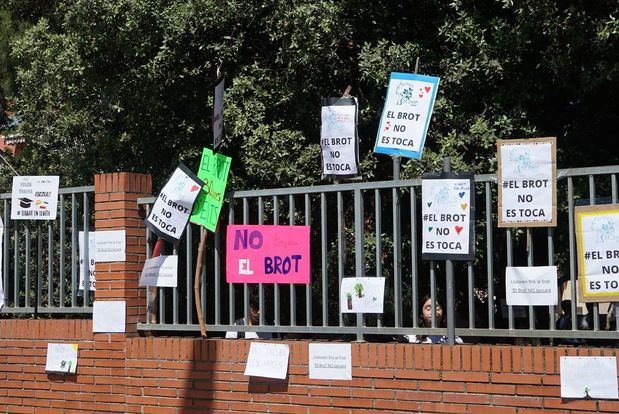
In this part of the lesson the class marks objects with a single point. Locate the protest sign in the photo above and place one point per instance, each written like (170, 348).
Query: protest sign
(170, 212)
(160, 271)
(267, 360)
(338, 138)
(588, 377)
(448, 214)
(34, 197)
(406, 115)
(110, 245)
(213, 171)
(531, 285)
(527, 178)
(267, 254)
(61, 358)
(362, 294)
(92, 241)
(108, 316)
(597, 241)
(330, 361)
(218, 113)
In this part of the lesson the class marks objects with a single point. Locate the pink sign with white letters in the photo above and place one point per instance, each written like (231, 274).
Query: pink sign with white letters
(267, 254)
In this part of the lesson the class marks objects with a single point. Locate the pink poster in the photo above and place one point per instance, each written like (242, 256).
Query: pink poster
(267, 254)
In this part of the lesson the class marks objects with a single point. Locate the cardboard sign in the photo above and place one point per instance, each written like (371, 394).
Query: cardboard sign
(330, 361)
(406, 115)
(110, 245)
(338, 138)
(218, 113)
(597, 241)
(34, 197)
(160, 271)
(448, 214)
(170, 212)
(531, 285)
(213, 171)
(92, 242)
(267, 360)
(267, 254)
(108, 316)
(589, 377)
(362, 294)
(527, 182)
(61, 358)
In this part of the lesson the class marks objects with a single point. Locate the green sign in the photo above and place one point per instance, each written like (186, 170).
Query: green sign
(214, 169)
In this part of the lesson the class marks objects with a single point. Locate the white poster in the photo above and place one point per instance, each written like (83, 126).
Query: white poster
(160, 271)
(531, 285)
(330, 361)
(61, 358)
(108, 316)
(218, 113)
(170, 212)
(527, 191)
(267, 360)
(1, 265)
(362, 295)
(446, 218)
(597, 239)
(338, 137)
(589, 377)
(110, 246)
(406, 115)
(34, 197)
(92, 278)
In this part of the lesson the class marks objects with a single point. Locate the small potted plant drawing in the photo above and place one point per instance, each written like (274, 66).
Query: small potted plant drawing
(349, 300)
(359, 290)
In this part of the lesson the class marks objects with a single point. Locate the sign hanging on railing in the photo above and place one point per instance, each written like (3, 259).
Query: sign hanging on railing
(406, 115)
(160, 271)
(213, 171)
(534, 286)
(527, 178)
(34, 197)
(92, 245)
(448, 216)
(338, 138)
(597, 241)
(267, 254)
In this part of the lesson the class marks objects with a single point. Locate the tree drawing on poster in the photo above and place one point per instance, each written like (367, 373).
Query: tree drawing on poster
(362, 294)
(406, 115)
(448, 215)
(338, 138)
(597, 241)
(213, 171)
(527, 178)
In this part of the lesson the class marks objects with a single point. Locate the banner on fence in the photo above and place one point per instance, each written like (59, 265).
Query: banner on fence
(218, 113)
(267, 254)
(527, 178)
(588, 377)
(448, 215)
(597, 241)
(170, 212)
(92, 246)
(160, 271)
(34, 197)
(330, 361)
(362, 294)
(213, 171)
(338, 138)
(406, 115)
(267, 360)
(531, 285)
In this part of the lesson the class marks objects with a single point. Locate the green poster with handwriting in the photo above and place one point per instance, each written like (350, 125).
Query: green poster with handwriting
(214, 169)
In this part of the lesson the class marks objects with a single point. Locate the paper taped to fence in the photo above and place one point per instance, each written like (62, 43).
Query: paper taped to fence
(267, 360)
(61, 358)
(108, 316)
(330, 361)
(34, 197)
(213, 171)
(92, 277)
(160, 271)
(362, 294)
(589, 377)
(536, 285)
(338, 137)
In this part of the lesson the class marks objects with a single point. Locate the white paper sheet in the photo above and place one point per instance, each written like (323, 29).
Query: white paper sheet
(92, 278)
(61, 358)
(362, 295)
(330, 361)
(110, 246)
(531, 285)
(160, 271)
(108, 316)
(267, 360)
(594, 377)
(34, 197)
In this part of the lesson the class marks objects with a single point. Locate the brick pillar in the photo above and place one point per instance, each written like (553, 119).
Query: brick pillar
(116, 208)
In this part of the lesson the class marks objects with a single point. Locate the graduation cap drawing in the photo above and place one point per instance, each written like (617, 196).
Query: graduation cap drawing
(24, 202)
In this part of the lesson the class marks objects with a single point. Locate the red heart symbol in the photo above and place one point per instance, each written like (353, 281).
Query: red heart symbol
(421, 95)
(195, 188)
(427, 89)
(458, 229)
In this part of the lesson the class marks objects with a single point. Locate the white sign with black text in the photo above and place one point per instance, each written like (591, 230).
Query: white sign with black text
(267, 360)
(536, 286)
(160, 271)
(92, 278)
(34, 197)
(338, 137)
(330, 361)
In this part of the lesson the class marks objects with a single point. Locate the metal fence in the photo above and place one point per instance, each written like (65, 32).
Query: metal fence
(372, 229)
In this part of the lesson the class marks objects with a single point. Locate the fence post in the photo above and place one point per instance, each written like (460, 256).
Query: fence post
(449, 270)
(116, 208)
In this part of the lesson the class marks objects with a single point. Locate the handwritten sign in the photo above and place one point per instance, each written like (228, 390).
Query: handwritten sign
(214, 169)
(448, 212)
(267, 254)
(92, 277)
(527, 182)
(597, 241)
(531, 285)
(330, 361)
(362, 294)
(589, 377)
(160, 271)
(170, 212)
(406, 114)
(34, 197)
(338, 137)
(108, 316)
(267, 360)
(218, 113)
(61, 358)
